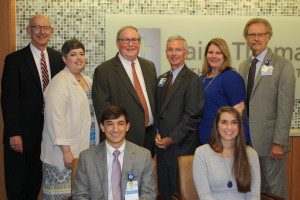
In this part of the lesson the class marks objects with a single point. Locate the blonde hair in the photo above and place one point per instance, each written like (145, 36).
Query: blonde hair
(257, 21)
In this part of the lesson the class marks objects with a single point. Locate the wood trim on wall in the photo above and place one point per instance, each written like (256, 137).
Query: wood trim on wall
(7, 45)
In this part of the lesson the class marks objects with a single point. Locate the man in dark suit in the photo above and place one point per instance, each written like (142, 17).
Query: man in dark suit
(25, 76)
(115, 168)
(128, 81)
(180, 99)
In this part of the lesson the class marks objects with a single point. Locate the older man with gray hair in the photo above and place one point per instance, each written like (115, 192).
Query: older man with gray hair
(25, 77)
(270, 83)
(129, 81)
(180, 99)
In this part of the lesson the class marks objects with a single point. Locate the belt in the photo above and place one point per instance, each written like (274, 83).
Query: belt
(148, 128)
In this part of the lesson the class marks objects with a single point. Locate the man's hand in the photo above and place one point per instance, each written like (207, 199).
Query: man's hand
(16, 143)
(276, 151)
(163, 143)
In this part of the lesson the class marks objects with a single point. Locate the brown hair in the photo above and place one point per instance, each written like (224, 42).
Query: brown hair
(257, 21)
(219, 42)
(113, 112)
(240, 167)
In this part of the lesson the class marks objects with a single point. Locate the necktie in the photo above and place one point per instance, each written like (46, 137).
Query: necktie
(251, 77)
(140, 93)
(168, 84)
(116, 176)
(45, 76)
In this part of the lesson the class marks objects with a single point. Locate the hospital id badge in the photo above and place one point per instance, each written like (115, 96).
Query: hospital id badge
(132, 190)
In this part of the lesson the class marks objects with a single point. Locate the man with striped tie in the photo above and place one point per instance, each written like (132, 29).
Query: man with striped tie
(26, 75)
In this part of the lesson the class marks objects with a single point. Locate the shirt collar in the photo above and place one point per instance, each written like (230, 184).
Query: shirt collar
(176, 71)
(126, 61)
(111, 149)
(261, 56)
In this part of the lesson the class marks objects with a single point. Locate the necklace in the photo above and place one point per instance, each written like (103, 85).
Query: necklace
(229, 182)
(209, 82)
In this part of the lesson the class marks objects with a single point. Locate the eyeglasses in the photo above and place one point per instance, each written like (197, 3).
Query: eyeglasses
(177, 50)
(259, 35)
(38, 27)
(128, 40)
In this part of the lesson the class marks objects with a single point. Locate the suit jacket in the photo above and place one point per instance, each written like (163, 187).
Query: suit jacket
(111, 85)
(22, 96)
(91, 180)
(180, 110)
(271, 103)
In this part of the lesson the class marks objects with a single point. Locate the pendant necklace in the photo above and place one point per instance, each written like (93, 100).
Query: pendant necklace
(229, 182)
(209, 81)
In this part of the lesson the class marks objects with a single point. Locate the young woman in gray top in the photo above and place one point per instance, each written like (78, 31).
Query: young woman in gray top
(226, 168)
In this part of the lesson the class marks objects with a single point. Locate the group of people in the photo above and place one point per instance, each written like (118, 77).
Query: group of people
(53, 113)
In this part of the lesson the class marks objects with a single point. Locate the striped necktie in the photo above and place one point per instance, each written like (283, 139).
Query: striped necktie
(45, 76)
(116, 176)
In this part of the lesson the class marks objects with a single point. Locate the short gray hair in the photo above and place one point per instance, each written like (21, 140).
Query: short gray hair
(177, 37)
(127, 27)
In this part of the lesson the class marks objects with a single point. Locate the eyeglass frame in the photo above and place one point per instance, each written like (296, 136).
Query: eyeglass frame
(259, 35)
(39, 28)
(177, 50)
(128, 40)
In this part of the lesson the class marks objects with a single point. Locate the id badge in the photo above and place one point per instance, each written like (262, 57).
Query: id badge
(162, 82)
(266, 70)
(132, 190)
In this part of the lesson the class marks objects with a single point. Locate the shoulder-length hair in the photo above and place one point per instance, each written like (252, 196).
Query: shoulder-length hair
(241, 167)
(219, 42)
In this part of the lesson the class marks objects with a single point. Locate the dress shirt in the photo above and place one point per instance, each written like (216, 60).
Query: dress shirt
(37, 58)
(128, 69)
(260, 59)
(176, 72)
(109, 154)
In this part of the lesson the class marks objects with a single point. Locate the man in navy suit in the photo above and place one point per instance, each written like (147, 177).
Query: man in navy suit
(25, 76)
(180, 98)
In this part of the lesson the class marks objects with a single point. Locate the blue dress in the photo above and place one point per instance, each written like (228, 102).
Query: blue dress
(225, 89)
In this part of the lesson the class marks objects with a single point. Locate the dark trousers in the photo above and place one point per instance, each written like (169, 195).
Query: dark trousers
(23, 173)
(167, 172)
(149, 142)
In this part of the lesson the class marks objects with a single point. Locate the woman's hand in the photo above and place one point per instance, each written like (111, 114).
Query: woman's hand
(67, 155)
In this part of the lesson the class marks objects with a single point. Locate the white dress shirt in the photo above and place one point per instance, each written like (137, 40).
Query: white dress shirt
(37, 58)
(176, 72)
(109, 154)
(128, 69)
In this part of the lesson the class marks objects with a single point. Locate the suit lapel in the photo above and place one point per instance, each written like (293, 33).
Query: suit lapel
(177, 82)
(259, 76)
(32, 66)
(128, 160)
(119, 69)
(52, 61)
(101, 165)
